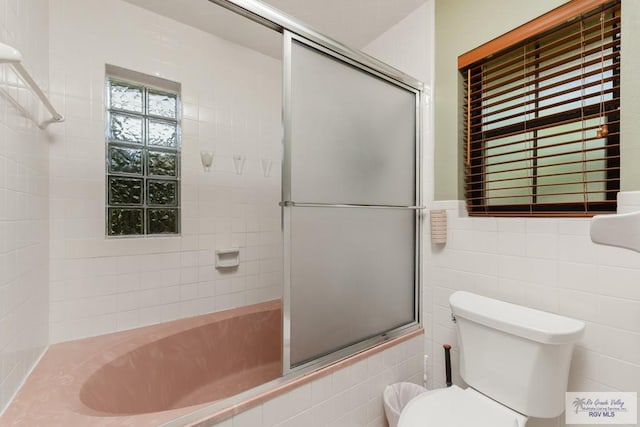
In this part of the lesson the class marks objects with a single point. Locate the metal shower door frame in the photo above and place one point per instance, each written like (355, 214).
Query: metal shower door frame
(292, 29)
(287, 204)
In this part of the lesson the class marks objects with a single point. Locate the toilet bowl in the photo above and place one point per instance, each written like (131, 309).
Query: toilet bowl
(456, 407)
(515, 360)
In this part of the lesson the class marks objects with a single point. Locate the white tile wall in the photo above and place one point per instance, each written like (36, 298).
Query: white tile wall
(349, 397)
(24, 193)
(232, 105)
(548, 264)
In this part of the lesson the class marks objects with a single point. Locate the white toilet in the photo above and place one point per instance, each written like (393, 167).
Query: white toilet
(515, 361)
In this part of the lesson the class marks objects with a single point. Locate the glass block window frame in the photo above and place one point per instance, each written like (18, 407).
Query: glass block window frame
(142, 160)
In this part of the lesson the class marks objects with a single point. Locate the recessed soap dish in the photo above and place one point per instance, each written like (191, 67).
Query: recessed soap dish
(227, 258)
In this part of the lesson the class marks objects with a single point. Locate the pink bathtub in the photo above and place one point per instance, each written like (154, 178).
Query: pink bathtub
(150, 375)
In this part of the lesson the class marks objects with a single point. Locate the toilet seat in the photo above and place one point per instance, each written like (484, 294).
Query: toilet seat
(455, 407)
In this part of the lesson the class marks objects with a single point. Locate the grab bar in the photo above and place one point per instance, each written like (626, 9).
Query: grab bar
(11, 55)
(289, 203)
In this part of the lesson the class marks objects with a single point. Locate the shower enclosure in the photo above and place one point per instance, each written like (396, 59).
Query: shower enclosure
(350, 204)
(350, 195)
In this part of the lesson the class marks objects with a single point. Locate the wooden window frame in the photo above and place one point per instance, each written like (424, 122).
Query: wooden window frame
(474, 189)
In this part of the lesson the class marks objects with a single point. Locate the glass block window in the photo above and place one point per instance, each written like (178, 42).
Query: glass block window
(143, 160)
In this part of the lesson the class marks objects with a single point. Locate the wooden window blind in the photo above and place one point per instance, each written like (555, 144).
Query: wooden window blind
(542, 116)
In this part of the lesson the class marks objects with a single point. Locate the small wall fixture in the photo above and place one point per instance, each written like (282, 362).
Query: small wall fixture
(12, 56)
(438, 226)
(266, 167)
(206, 157)
(622, 230)
(238, 162)
(227, 258)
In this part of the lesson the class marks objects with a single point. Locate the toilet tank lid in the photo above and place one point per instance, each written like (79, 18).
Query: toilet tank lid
(529, 323)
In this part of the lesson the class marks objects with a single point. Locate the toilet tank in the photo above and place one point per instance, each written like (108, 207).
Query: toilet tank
(515, 355)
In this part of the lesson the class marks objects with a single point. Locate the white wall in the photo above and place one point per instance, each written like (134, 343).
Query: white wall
(548, 264)
(407, 45)
(24, 192)
(232, 105)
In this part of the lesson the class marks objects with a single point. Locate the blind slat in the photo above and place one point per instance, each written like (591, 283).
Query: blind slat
(580, 98)
(564, 117)
(543, 176)
(588, 117)
(533, 57)
(538, 157)
(558, 184)
(522, 82)
(540, 138)
(599, 159)
(535, 116)
(507, 100)
(543, 147)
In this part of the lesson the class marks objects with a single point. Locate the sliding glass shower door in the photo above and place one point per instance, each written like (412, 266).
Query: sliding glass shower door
(350, 204)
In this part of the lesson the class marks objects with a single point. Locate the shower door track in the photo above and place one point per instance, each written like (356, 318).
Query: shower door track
(270, 17)
(288, 204)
